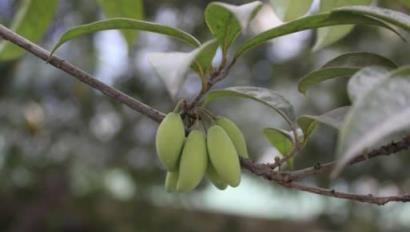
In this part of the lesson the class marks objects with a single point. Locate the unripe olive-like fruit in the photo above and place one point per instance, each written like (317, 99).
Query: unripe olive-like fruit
(193, 162)
(214, 178)
(235, 134)
(171, 181)
(170, 140)
(223, 156)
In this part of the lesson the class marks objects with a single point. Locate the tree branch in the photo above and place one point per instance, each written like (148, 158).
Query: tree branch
(286, 179)
(385, 150)
(81, 75)
(264, 170)
(369, 198)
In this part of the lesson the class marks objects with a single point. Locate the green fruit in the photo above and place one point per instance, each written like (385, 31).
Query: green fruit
(171, 181)
(235, 134)
(170, 140)
(223, 156)
(214, 178)
(194, 159)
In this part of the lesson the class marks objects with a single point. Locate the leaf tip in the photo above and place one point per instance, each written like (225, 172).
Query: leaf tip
(302, 89)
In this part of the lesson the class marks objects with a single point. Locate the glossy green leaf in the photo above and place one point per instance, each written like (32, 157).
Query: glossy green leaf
(172, 67)
(310, 22)
(396, 18)
(323, 74)
(291, 9)
(281, 140)
(381, 112)
(343, 66)
(131, 9)
(360, 60)
(333, 118)
(203, 61)
(364, 80)
(401, 71)
(307, 125)
(122, 23)
(226, 21)
(31, 22)
(265, 96)
(405, 3)
(329, 35)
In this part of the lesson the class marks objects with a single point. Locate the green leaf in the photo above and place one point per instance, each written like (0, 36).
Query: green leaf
(307, 125)
(132, 9)
(323, 74)
(291, 9)
(310, 22)
(405, 3)
(281, 140)
(172, 67)
(401, 71)
(360, 60)
(31, 22)
(330, 35)
(333, 118)
(122, 23)
(265, 96)
(203, 62)
(381, 112)
(364, 80)
(396, 18)
(226, 21)
(343, 66)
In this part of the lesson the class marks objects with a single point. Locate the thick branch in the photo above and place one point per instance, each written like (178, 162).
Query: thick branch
(81, 75)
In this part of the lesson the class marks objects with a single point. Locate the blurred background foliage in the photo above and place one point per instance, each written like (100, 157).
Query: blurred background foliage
(73, 160)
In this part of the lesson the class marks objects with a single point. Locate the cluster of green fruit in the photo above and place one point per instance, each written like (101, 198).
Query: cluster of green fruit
(188, 159)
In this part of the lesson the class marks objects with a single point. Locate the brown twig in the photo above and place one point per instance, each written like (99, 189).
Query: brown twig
(385, 150)
(215, 76)
(81, 75)
(287, 179)
(367, 198)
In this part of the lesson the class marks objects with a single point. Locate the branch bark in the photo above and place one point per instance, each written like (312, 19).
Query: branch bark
(266, 172)
(80, 75)
(286, 179)
(385, 150)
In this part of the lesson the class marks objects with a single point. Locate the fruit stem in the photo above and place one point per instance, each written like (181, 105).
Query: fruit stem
(208, 114)
(198, 125)
(178, 105)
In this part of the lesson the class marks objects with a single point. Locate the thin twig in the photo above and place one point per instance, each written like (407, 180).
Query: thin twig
(268, 174)
(388, 149)
(287, 179)
(367, 198)
(81, 75)
(213, 78)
